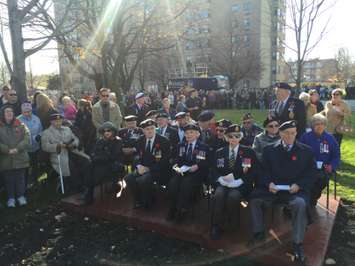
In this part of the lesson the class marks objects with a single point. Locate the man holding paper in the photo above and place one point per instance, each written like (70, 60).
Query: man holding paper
(190, 170)
(289, 169)
(235, 171)
(151, 165)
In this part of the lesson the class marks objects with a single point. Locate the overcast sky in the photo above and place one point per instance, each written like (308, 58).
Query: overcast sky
(340, 34)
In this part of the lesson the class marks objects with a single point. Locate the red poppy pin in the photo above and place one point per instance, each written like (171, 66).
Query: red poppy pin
(241, 153)
(293, 158)
(17, 123)
(157, 146)
(325, 142)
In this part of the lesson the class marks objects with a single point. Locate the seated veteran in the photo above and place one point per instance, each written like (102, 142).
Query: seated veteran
(249, 129)
(167, 131)
(204, 120)
(181, 122)
(152, 165)
(219, 141)
(189, 172)
(152, 114)
(288, 178)
(327, 153)
(236, 169)
(129, 135)
(65, 157)
(106, 157)
(268, 137)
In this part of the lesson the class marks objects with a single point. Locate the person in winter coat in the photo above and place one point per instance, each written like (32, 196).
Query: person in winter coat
(14, 145)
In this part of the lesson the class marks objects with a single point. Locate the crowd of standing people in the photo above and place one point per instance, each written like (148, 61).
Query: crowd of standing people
(174, 141)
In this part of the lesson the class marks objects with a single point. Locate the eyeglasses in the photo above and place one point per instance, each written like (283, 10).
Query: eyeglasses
(336, 94)
(230, 136)
(273, 126)
(107, 130)
(13, 94)
(105, 95)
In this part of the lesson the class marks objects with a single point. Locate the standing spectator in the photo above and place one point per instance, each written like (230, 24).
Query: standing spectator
(181, 105)
(83, 121)
(14, 102)
(34, 125)
(113, 97)
(69, 108)
(139, 108)
(316, 101)
(193, 104)
(336, 111)
(5, 95)
(171, 97)
(167, 109)
(311, 109)
(105, 110)
(14, 145)
(45, 108)
(286, 108)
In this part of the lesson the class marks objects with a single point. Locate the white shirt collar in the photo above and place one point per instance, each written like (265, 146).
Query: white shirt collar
(236, 149)
(285, 101)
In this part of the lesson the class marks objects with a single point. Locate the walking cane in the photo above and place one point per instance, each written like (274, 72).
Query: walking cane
(60, 174)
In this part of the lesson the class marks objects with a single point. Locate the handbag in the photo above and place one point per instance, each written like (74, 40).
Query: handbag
(344, 128)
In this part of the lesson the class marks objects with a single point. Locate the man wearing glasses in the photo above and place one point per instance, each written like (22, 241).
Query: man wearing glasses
(289, 170)
(236, 169)
(13, 102)
(5, 95)
(249, 129)
(268, 137)
(106, 111)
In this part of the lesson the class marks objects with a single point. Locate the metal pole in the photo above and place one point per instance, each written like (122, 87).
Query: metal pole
(60, 174)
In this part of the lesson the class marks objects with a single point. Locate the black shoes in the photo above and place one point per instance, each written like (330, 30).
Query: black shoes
(299, 253)
(215, 232)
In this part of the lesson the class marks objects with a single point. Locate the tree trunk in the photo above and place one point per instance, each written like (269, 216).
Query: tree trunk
(18, 78)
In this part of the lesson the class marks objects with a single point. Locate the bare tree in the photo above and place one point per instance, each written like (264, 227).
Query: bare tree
(344, 65)
(28, 36)
(111, 38)
(303, 16)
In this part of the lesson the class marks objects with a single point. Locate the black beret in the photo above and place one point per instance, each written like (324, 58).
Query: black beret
(191, 127)
(282, 85)
(162, 115)
(147, 123)
(151, 112)
(205, 116)
(223, 123)
(268, 121)
(107, 125)
(130, 118)
(233, 129)
(288, 124)
(180, 115)
(247, 116)
(55, 116)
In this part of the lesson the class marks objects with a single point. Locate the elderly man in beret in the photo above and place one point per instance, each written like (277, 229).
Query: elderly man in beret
(289, 169)
(204, 122)
(139, 108)
(219, 141)
(167, 131)
(190, 170)
(152, 165)
(181, 122)
(249, 129)
(235, 171)
(286, 108)
(62, 145)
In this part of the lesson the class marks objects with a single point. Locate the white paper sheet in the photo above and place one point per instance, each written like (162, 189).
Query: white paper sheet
(283, 187)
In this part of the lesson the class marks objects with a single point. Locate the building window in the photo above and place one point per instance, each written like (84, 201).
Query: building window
(204, 14)
(236, 7)
(246, 23)
(247, 7)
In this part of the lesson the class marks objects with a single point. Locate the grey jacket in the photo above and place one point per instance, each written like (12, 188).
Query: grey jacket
(261, 141)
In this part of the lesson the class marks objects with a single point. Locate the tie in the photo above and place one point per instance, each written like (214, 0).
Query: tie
(189, 152)
(147, 149)
(231, 159)
(279, 108)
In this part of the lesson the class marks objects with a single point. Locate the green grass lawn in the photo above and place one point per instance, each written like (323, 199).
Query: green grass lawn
(346, 173)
